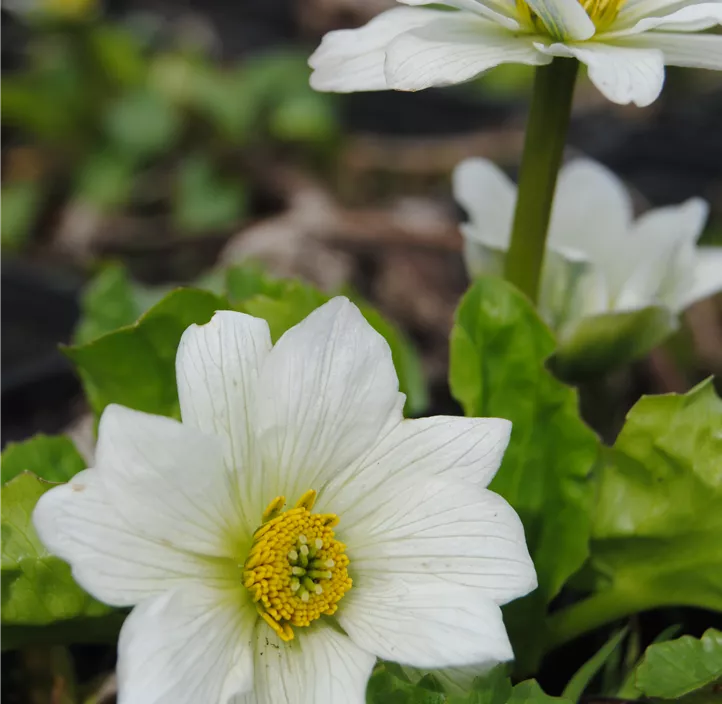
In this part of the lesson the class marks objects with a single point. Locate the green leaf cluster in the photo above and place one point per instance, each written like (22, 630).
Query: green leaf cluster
(120, 125)
(40, 600)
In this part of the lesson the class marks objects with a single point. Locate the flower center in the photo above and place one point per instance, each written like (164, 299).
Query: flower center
(601, 12)
(296, 570)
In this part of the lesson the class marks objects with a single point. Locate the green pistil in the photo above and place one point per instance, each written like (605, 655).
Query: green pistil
(307, 569)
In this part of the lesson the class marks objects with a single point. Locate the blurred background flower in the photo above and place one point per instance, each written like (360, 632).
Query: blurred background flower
(599, 260)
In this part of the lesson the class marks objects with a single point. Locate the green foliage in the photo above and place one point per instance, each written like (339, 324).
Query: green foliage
(112, 301)
(584, 675)
(20, 209)
(530, 692)
(105, 179)
(498, 349)
(598, 343)
(135, 365)
(205, 200)
(683, 666)
(141, 123)
(52, 458)
(35, 588)
(657, 524)
(389, 685)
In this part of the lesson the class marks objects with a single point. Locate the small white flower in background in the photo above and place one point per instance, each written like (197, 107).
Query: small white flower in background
(625, 45)
(294, 527)
(599, 259)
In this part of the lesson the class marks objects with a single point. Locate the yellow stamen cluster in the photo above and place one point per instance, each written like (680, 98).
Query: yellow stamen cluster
(296, 570)
(601, 12)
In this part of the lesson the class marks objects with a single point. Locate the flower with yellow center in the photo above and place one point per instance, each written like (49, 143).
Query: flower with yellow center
(293, 527)
(625, 44)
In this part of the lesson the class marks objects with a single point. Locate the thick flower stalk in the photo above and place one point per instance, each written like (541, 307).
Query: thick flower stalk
(293, 527)
(599, 259)
(625, 44)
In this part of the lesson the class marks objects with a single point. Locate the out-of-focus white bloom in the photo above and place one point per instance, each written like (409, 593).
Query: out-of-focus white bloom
(389, 546)
(625, 45)
(599, 259)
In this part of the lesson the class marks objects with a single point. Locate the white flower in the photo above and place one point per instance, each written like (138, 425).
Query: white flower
(293, 490)
(625, 45)
(598, 259)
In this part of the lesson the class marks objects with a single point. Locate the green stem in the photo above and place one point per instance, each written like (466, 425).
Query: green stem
(546, 134)
(591, 613)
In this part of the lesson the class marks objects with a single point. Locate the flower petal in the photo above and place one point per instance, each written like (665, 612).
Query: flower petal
(592, 214)
(466, 449)
(425, 624)
(622, 74)
(707, 276)
(503, 13)
(439, 530)
(692, 18)
(217, 366)
(488, 196)
(564, 19)
(110, 558)
(693, 51)
(187, 646)
(320, 666)
(350, 60)
(658, 273)
(169, 481)
(327, 390)
(452, 49)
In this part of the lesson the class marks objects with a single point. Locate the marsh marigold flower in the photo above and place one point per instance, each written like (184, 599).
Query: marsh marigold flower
(293, 527)
(625, 44)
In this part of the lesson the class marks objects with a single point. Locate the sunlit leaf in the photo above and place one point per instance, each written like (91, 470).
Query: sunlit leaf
(37, 589)
(657, 524)
(53, 458)
(679, 667)
(135, 365)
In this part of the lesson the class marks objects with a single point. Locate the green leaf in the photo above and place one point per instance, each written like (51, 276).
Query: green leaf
(21, 203)
(386, 688)
(657, 524)
(106, 178)
(628, 688)
(304, 118)
(679, 667)
(493, 688)
(53, 458)
(135, 365)
(529, 692)
(584, 675)
(498, 349)
(111, 301)
(37, 588)
(599, 343)
(204, 200)
(142, 123)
